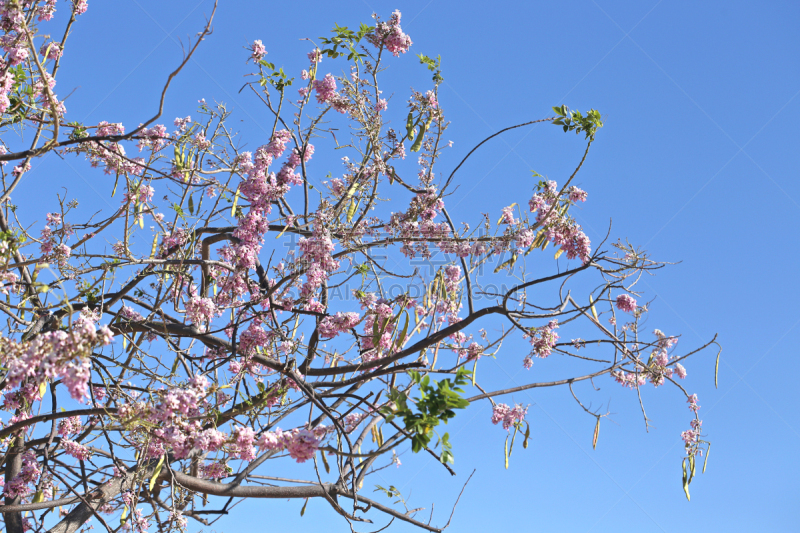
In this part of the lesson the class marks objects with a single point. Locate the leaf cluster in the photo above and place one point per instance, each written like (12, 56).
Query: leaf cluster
(435, 404)
(347, 39)
(575, 121)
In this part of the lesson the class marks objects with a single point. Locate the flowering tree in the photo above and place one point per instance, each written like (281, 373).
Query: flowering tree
(229, 312)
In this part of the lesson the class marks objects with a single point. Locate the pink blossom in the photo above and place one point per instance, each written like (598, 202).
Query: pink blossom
(258, 50)
(544, 339)
(51, 50)
(70, 426)
(303, 445)
(80, 6)
(325, 88)
(390, 34)
(28, 475)
(214, 471)
(692, 401)
(626, 303)
(105, 129)
(577, 195)
(243, 443)
(508, 416)
(508, 215)
(272, 441)
(200, 310)
(76, 450)
(331, 326)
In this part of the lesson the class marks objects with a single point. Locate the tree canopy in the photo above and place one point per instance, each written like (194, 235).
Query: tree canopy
(237, 309)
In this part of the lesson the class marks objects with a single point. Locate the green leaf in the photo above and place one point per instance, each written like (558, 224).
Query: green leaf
(191, 205)
(506, 452)
(596, 433)
(705, 462)
(716, 369)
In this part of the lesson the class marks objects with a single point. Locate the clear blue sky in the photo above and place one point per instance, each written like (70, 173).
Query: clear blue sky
(701, 104)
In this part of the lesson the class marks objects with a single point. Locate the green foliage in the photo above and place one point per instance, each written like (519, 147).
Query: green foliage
(435, 405)
(276, 77)
(347, 39)
(434, 66)
(575, 121)
(78, 130)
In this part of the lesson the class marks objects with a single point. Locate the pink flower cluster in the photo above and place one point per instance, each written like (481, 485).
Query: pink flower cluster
(46, 10)
(665, 342)
(261, 190)
(53, 355)
(629, 379)
(543, 340)
(104, 128)
(692, 437)
(80, 6)
(317, 254)
(52, 50)
(129, 313)
(49, 243)
(325, 88)
(70, 426)
(76, 450)
(507, 415)
(508, 216)
(331, 326)
(658, 369)
(182, 123)
(28, 475)
(138, 194)
(215, 471)
(200, 310)
(382, 314)
(154, 138)
(111, 155)
(9, 282)
(391, 35)
(692, 401)
(473, 351)
(301, 444)
(559, 229)
(626, 303)
(254, 337)
(452, 278)
(259, 51)
(576, 195)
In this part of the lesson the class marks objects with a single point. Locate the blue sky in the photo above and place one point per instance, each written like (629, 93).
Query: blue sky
(701, 103)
